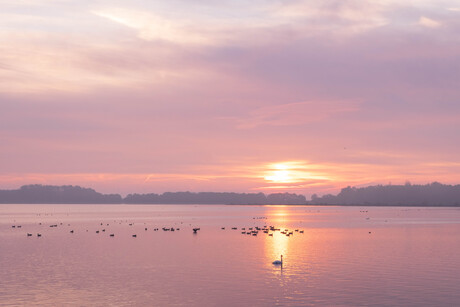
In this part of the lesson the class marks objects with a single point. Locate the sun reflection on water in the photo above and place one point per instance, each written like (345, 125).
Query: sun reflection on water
(278, 244)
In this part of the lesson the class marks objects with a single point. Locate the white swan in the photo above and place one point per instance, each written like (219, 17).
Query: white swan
(278, 261)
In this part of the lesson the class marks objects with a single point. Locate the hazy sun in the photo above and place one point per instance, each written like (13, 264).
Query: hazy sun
(288, 173)
(280, 173)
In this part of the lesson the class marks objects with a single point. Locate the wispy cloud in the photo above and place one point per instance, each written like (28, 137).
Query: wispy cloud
(346, 17)
(293, 114)
(150, 26)
(429, 23)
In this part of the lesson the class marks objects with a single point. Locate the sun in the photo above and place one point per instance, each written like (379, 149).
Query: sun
(292, 173)
(280, 173)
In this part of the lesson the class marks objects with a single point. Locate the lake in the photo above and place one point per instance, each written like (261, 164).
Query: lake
(347, 256)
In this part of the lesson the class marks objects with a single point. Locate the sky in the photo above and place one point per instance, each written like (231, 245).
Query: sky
(247, 96)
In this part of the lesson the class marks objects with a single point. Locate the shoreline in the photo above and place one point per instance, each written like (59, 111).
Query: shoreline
(259, 205)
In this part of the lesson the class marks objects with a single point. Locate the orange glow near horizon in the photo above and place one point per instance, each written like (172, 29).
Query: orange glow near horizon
(302, 177)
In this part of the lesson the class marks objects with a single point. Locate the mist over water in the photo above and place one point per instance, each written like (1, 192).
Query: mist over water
(346, 256)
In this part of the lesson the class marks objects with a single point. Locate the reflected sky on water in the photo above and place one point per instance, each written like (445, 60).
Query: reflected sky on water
(346, 256)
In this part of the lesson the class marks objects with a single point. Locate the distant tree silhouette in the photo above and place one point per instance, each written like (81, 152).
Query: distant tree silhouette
(215, 198)
(433, 194)
(47, 194)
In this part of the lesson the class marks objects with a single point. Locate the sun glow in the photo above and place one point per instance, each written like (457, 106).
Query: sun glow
(279, 174)
(290, 172)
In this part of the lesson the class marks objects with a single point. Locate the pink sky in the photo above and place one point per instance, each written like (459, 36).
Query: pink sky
(255, 96)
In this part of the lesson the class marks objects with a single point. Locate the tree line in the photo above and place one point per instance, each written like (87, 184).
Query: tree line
(433, 194)
(68, 194)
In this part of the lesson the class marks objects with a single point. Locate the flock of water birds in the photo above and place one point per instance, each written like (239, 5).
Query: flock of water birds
(249, 231)
(253, 231)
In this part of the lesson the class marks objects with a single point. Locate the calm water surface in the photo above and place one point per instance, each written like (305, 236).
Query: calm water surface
(347, 256)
